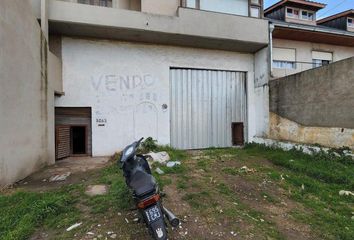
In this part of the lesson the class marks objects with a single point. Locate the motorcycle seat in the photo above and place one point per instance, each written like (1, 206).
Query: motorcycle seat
(142, 183)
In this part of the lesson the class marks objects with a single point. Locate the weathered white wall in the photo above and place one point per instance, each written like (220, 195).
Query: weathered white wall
(126, 85)
(261, 102)
(304, 54)
(163, 7)
(55, 72)
(26, 143)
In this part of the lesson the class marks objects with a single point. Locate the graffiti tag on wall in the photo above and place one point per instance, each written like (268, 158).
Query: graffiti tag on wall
(114, 82)
(132, 96)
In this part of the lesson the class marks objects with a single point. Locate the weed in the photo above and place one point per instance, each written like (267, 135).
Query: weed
(315, 180)
(269, 197)
(22, 212)
(181, 184)
(197, 200)
(119, 195)
(204, 164)
(230, 171)
(223, 189)
(175, 154)
(149, 145)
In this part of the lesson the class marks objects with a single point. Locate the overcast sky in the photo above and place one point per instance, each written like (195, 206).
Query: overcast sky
(333, 6)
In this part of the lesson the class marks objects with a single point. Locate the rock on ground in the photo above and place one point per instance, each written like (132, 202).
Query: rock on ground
(160, 157)
(94, 190)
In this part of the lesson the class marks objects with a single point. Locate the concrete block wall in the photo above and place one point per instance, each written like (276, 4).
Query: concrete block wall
(315, 106)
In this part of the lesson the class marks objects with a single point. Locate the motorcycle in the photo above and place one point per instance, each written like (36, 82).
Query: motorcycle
(146, 194)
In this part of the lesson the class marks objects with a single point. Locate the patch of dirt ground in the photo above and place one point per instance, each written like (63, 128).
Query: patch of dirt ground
(78, 169)
(254, 191)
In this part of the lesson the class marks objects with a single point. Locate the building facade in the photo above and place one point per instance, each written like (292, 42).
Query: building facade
(29, 78)
(300, 42)
(191, 74)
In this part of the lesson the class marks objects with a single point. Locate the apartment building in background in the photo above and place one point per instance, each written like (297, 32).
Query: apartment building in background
(343, 21)
(191, 74)
(301, 42)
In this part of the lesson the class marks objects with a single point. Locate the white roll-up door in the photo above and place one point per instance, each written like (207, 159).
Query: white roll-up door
(204, 104)
(322, 55)
(284, 54)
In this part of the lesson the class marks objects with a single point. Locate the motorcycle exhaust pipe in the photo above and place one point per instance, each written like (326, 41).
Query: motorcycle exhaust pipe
(172, 219)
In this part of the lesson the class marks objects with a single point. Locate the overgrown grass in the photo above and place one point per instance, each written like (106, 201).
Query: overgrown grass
(321, 166)
(230, 171)
(315, 180)
(22, 212)
(119, 196)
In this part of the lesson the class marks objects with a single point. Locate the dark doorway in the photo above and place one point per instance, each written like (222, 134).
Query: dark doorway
(78, 139)
(237, 134)
(73, 132)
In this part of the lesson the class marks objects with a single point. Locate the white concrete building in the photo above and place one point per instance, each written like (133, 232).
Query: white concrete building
(191, 74)
(91, 76)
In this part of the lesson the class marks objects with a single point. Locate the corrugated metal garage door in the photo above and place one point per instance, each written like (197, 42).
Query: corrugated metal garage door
(204, 104)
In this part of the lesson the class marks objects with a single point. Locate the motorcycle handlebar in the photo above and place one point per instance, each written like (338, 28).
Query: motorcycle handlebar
(141, 139)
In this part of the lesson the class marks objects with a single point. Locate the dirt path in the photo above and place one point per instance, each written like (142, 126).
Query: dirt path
(265, 196)
(78, 169)
(195, 225)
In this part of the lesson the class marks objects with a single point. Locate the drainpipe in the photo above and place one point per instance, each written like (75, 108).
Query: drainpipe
(44, 18)
(271, 29)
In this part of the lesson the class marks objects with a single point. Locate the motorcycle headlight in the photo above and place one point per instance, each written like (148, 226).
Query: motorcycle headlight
(128, 151)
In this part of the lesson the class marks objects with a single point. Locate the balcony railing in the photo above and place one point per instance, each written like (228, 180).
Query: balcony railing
(247, 8)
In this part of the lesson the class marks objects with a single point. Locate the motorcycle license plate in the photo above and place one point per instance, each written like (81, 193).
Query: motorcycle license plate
(153, 214)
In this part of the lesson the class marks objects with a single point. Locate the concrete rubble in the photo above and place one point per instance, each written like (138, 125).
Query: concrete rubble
(159, 157)
(346, 193)
(73, 226)
(59, 177)
(172, 164)
(245, 169)
(159, 171)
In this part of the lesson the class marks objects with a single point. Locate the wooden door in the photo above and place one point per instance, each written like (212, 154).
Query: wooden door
(62, 142)
(237, 134)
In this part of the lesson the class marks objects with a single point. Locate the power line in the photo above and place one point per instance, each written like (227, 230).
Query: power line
(333, 8)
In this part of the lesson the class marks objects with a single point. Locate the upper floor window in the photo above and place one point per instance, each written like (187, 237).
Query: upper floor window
(293, 13)
(237, 7)
(319, 63)
(284, 58)
(103, 3)
(255, 8)
(320, 58)
(255, 11)
(300, 14)
(284, 64)
(307, 15)
(351, 22)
